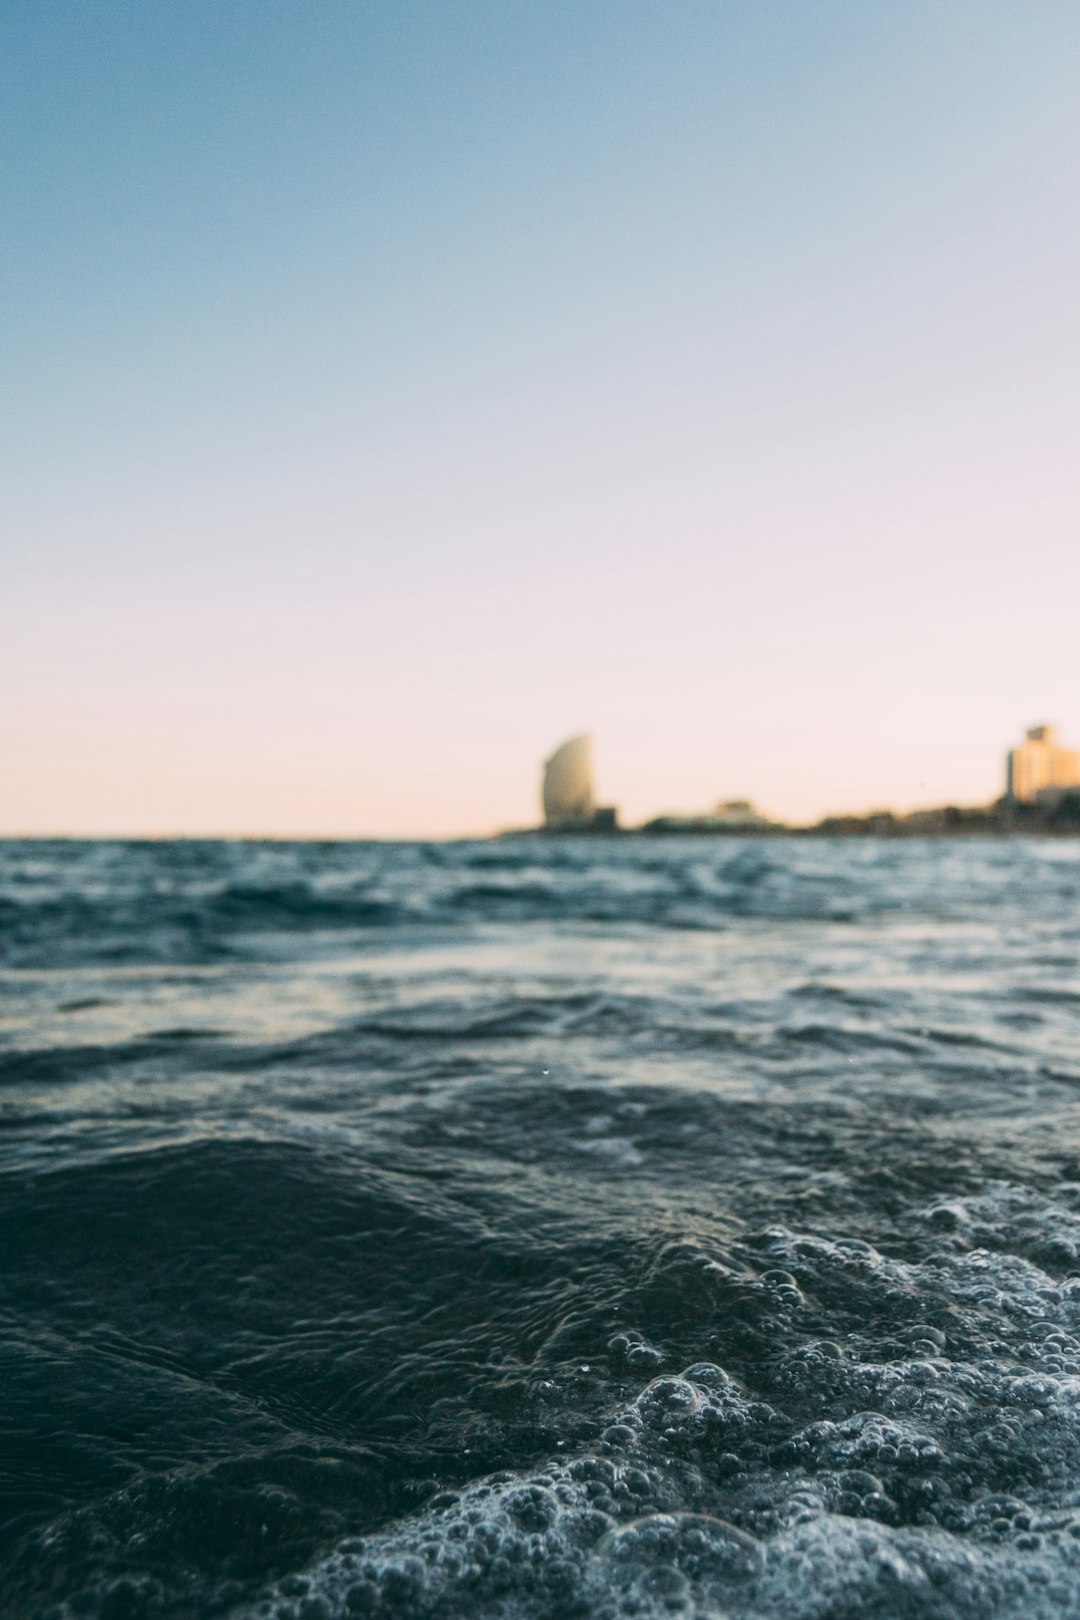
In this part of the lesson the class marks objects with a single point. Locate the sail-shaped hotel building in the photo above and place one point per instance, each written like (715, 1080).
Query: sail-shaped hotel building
(567, 791)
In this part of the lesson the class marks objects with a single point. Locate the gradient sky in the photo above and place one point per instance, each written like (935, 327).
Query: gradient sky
(392, 389)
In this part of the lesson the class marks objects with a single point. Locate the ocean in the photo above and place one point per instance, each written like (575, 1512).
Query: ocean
(540, 1229)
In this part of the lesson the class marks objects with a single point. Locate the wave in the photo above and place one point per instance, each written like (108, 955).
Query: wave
(202, 903)
(564, 1231)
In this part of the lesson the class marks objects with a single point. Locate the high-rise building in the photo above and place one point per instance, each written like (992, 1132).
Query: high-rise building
(1039, 768)
(567, 791)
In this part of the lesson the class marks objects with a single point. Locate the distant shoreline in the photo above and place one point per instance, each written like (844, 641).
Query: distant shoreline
(1002, 820)
(948, 822)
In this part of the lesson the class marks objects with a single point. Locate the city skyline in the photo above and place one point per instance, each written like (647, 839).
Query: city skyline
(1041, 781)
(1038, 773)
(391, 390)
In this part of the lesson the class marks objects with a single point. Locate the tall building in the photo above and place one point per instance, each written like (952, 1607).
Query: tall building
(1039, 768)
(567, 791)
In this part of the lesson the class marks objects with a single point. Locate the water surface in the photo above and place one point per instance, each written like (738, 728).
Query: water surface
(540, 1229)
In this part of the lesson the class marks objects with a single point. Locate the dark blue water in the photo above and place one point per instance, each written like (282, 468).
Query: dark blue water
(540, 1229)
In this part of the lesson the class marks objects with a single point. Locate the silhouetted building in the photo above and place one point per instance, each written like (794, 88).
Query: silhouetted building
(1039, 771)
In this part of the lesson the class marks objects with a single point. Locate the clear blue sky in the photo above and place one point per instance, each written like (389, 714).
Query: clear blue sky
(392, 389)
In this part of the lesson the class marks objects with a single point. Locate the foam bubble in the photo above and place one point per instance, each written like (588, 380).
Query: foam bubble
(907, 1443)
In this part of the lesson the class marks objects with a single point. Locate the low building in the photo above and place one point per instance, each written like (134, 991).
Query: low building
(732, 815)
(1040, 770)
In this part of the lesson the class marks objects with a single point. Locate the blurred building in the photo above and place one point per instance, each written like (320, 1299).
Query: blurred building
(731, 815)
(1040, 770)
(567, 793)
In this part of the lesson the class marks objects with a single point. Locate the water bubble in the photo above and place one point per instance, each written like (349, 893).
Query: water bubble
(644, 1356)
(532, 1507)
(619, 1435)
(707, 1374)
(922, 1333)
(666, 1398)
(698, 1546)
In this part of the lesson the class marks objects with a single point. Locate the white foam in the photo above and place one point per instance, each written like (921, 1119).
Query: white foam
(920, 1457)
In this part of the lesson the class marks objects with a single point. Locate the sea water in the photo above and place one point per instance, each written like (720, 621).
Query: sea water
(540, 1228)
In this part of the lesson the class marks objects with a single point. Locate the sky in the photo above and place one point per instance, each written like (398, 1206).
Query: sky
(392, 389)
